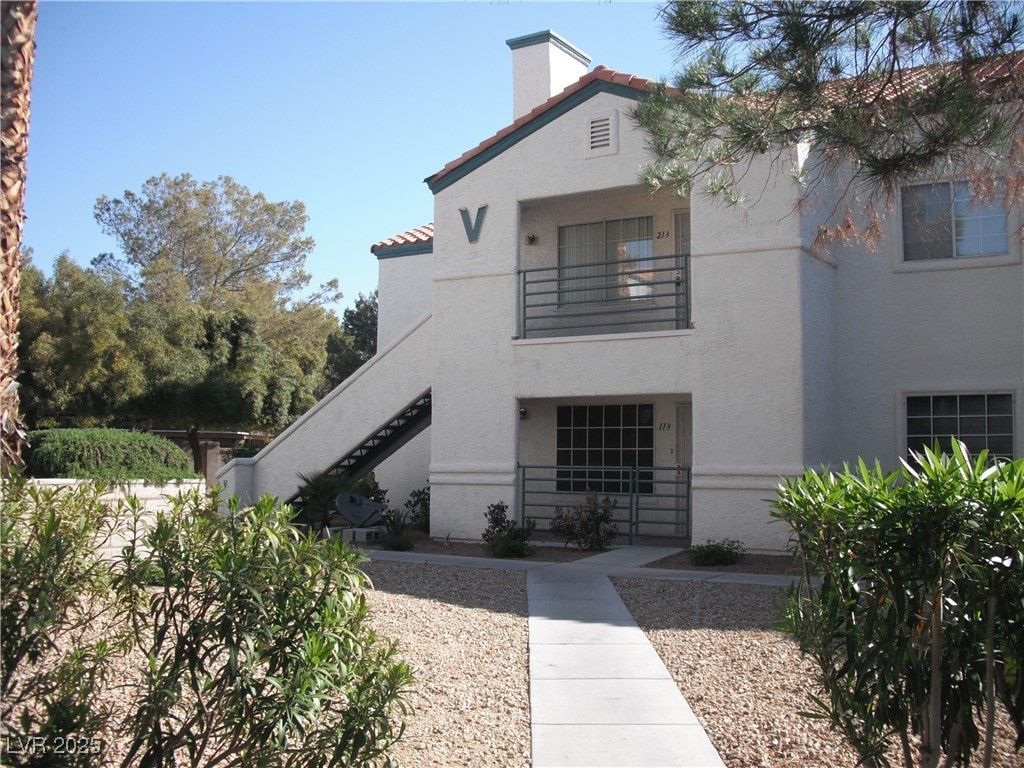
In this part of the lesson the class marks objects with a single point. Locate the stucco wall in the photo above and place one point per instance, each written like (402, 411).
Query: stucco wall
(353, 411)
(475, 424)
(742, 364)
(929, 327)
(404, 294)
(794, 358)
(406, 471)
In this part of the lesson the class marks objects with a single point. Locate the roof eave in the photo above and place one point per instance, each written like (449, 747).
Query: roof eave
(542, 116)
(397, 251)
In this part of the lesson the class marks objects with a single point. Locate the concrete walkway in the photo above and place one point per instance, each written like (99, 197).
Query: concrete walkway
(600, 696)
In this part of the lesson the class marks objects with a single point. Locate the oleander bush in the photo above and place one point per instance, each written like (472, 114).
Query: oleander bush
(587, 526)
(56, 591)
(106, 456)
(504, 536)
(254, 637)
(911, 604)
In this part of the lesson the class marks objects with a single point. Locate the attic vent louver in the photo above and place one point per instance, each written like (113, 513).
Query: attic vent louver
(603, 133)
(600, 133)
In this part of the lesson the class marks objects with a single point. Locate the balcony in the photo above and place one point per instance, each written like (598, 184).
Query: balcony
(620, 296)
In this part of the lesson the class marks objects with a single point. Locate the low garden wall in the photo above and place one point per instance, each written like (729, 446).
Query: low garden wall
(153, 499)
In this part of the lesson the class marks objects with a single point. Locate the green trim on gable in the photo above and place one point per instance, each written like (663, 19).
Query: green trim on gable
(566, 105)
(398, 251)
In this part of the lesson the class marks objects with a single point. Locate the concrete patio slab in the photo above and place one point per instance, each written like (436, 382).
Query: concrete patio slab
(607, 610)
(629, 557)
(608, 702)
(618, 746)
(600, 696)
(609, 661)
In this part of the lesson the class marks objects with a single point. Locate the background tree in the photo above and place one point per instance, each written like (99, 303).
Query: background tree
(888, 89)
(215, 243)
(96, 354)
(354, 343)
(80, 368)
(360, 323)
(18, 57)
(201, 323)
(232, 387)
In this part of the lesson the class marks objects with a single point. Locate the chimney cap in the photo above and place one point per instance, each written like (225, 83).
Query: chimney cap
(549, 36)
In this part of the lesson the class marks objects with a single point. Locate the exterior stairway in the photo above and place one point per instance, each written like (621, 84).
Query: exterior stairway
(365, 419)
(405, 425)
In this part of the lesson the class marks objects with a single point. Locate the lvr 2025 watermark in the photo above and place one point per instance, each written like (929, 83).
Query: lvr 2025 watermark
(51, 745)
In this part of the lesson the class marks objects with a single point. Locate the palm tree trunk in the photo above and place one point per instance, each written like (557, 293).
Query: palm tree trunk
(19, 27)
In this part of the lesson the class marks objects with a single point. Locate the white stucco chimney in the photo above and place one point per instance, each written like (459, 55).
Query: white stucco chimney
(543, 64)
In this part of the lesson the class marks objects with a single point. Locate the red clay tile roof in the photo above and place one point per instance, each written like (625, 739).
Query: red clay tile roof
(418, 236)
(910, 79)
(600, 73)
(994, 74)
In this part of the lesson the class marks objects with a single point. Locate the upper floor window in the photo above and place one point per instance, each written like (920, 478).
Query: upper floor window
(605, 261)
(945, 221)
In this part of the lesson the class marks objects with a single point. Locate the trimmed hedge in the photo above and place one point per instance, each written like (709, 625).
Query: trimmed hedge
(106, 456)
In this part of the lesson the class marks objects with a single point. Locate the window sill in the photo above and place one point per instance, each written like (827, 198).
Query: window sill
(591, 337)
(969, 262)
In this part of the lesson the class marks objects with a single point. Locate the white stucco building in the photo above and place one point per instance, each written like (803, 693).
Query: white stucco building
(560, 327)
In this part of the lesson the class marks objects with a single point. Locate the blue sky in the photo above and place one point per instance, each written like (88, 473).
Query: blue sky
(346, 106)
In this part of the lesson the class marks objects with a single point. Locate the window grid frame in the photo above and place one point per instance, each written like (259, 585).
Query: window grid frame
(960, 207)
(960, 415)
(622, 431)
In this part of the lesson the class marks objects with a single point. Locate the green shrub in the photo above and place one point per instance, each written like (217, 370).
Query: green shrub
(258, 645)
(56, 592)
(417, 507)
(396, 530)
(505, 537)
(106, 456)
(255, 634)
(587, 526)
(911, 604)
(245, 450)
(319, 492)
(724, 552)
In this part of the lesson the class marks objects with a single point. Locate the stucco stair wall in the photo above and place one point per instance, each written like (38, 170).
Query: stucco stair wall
(354, 410)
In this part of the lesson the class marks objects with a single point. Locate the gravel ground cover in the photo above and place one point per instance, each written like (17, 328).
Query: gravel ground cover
(464, 634)
(556, 552)
(745, 681)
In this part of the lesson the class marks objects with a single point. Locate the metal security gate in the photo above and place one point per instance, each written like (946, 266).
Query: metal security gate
(652, 502)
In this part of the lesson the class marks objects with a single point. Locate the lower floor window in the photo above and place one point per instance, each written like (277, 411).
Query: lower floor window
(979, 421)
(603, 447)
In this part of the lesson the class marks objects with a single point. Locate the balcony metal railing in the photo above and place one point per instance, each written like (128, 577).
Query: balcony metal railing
(606, 297)
(650, 501)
